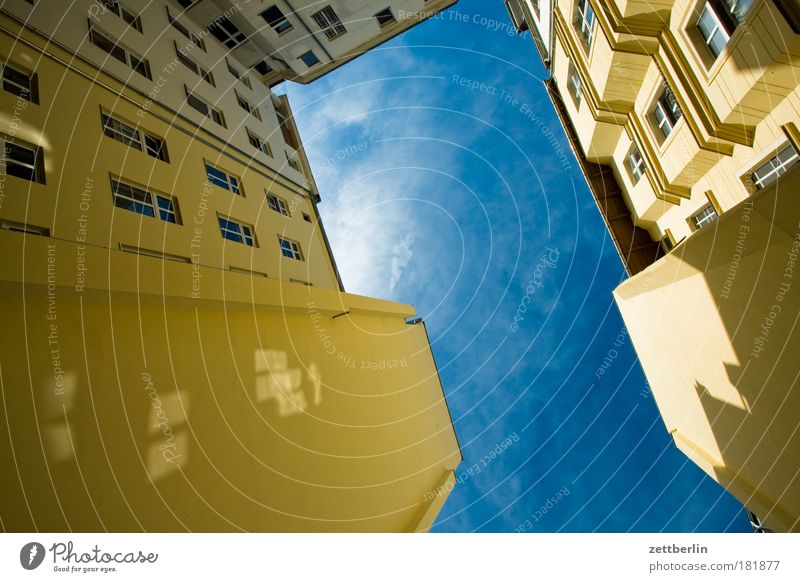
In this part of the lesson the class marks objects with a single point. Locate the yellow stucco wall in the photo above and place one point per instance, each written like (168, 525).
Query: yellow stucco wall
(170, 393)
(715, 326)
(133, 407)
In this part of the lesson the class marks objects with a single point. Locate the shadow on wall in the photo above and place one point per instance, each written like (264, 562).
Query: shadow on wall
(715, 324)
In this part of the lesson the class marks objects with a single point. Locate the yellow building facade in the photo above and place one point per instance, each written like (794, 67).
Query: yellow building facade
(682, 112)
(178, 350)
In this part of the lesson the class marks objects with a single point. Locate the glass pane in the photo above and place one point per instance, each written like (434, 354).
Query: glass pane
(217, 177)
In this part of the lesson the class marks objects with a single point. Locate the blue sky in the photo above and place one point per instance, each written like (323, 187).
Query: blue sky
(451, 198)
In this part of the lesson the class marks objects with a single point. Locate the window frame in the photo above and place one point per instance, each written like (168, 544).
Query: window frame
(247, 106)
(225, 35)
(227, 181)
(575, 90)
(140, 135)
(239, 76)
(130, 59)
(709, 217)
(258, 143)
(193, 66)
(31, 93)
(210, 109)
(329, 22)
(278, 205)
(277, 23)
(385, 17)
(309, 61)
(670, 116)
(147, 200)
(636, 168)
(291, 249)
(776, 171)
(584, 22)
(718, 28)
(185, 32)
(35, 167)
(127, 15)
(245, 232)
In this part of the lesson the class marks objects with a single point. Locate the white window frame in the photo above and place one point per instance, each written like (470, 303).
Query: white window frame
(229, 36)
(277, 204)
(575, 85)
(290, 248)
(718, 28)
(36, 168)
(636, 165)
(29, 93)
(663, 119)
(706, 215)
(247, 106)
(239, 229)
(239, 76)
(232, 183)
(185, 32)
(293, 163)
(124, 13)
(211, 112)
(775, 165)
(135, 137)
(585, 22)
(258, 143)
(130, 58)
(190, 64)
(148, 199)
(329, 22)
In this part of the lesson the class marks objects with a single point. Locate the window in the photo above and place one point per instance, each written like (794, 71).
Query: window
(142, 201)
(244, 104)
(259, 143)
(101, 41)
(237, 232)
(584, 21)
(706, 216)
(23, 85)
(306, 217)
(635, 164)
(279, 205)
(202, 107)
(22, 160)
(667, 112)
(226, 32)
(125, 14)
(290, 249)
(329, 22)
(223, 179)
(131, 136)
(192, 66)
(178, 25)
(309, 58)
(292, 162)
(235, 72)
(385, 17)
(275, 18)
(774, 167)
(712, 30)
(574, 85)
(263, 68)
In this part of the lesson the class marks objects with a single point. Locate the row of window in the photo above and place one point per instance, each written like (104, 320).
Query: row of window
(142, 201)
(326, 19)
(716, 24)
(760, 177)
